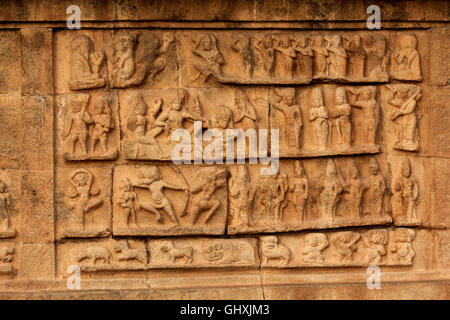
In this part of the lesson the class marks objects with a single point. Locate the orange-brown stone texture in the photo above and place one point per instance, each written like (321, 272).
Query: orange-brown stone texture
(92, 206)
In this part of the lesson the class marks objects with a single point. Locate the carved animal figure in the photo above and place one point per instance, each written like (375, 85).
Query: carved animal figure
(272, 249)
(95, 253)
(124, 252)
(175, 253)
(6, 253)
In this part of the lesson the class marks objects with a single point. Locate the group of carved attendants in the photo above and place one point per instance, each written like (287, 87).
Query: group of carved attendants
(299, 59)
(271, 59)
(263, 201)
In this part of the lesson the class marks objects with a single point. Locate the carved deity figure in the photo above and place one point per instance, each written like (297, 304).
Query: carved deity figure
(208, 180)
(305, 57)
(405, 99)
(365, 99)
(286, 103)
(405, 60)
(85, 65)
(356, 57)
(150, 178)
(375, 242)
(269, 194)
(299, 189)
(102, 124)
(242, 45)
(240, 188)
(376, 189)
(331, 191)
(212, 60)
(82, 193)
(284, 58)
(244, 112)
(345, 244)
(353, 192)
(320, 62)
(5, 204)
(318, 115)
(406, 194)
(337, 58)
(402, 245)
(342, 115)
(76, 123)
(134, 57)
(264, 56)
(128, 201)
(377, 58)
(272, 249)
(315, 243)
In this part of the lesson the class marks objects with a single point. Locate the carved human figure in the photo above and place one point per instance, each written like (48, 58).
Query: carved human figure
(264, 56)
(299, 189)
(244, 112)
(208, 180)
(342, 115)
(320, 62)
(305, 56)
(214, 252)
(133, 60)
(102, 124)
(406, 194)
(240, 194)
(377, 58)
(150, 178)
(270, 195)
(356, 56)
(82, 193)
(345, 244)
(375, 242)
(405, 60)
(85, 65)
(404, 98)
(365, 99)
(76, 123)
(212, 60)
(315, 243)
(402, 245)
(242, 45)
(144, 124)
(128, 201)
(272, 249)
(5, 205)
(284, 58)
(286, 103)
(337, 59)
(331, 191)
(318, 115)
(376, 189)
(353, 192)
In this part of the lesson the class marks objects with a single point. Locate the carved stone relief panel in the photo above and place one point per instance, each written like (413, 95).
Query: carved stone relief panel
(150, 117)
(310, 194)
(382, 247)
(9, 204)
(88, 126)
(164, 199)
(82, 199)
(326, 120)
(8, 259)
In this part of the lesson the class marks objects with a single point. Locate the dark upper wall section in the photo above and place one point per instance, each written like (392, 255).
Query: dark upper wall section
(222, 10)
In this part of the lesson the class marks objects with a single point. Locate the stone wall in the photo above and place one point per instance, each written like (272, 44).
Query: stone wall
(86, 177)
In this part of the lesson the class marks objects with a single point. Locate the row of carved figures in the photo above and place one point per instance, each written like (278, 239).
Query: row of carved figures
(282, 57)
(255, 203)
(266, 198)
(339, 248)
(133, 58)
(90, 129)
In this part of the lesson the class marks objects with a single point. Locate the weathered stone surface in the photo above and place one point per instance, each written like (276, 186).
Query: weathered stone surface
(354, 121)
